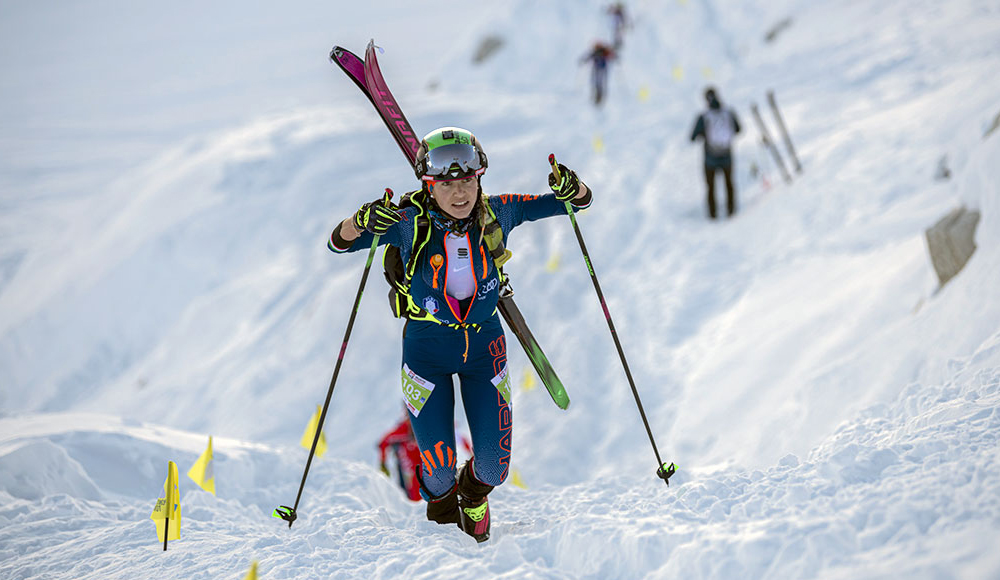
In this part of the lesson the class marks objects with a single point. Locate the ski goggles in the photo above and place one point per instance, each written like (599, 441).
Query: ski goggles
(441, 162)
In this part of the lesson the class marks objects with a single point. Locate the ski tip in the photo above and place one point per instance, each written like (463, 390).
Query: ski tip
(372, 46)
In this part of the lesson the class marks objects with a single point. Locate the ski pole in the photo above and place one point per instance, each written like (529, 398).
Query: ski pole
(664, 470)
(289, 513)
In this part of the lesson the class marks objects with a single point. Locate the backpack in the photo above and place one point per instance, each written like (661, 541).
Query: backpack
(399, 274)
(719, 130)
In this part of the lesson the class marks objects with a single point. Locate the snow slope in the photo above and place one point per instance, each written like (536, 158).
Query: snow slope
(168, 178)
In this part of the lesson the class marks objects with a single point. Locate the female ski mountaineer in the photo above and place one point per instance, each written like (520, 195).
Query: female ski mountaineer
(449, 238)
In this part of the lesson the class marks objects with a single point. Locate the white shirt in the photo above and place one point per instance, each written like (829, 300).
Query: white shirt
(461, 279)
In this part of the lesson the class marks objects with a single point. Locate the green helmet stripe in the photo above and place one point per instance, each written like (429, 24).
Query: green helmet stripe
(447, 136)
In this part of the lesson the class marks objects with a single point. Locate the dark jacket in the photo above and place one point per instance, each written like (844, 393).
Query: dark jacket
(723, 124)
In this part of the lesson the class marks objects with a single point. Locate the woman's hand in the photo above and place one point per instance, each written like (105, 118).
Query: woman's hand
(569, 187)
(376, 216)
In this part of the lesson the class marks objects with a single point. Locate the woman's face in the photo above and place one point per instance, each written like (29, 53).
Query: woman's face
(456, 198)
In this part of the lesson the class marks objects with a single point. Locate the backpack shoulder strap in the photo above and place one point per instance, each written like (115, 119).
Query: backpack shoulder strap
(493, 236)
(398, 274)
(421, 235)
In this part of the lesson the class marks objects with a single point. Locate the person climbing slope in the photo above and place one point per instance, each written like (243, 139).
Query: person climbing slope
(600, 58)
(450, 238)
(400, 441)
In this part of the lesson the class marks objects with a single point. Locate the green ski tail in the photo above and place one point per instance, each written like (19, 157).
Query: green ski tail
(515, 321)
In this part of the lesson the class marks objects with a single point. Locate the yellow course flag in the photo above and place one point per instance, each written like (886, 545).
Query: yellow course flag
(678, 73)
(643, 94)
(528, 380)
(310, 434)
(553, 263)
(168, 506)
(252, 574)
(516, 479)
(202, 471)
(598, 144)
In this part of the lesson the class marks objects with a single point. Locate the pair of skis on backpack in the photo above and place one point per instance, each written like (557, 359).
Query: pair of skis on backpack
(367, 76)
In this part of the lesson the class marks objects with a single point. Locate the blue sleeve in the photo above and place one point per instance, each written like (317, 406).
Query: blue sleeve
(513, 209)
(399, 235)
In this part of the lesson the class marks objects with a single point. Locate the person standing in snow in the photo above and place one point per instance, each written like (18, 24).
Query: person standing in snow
(619, 23)
(448, 233)
(717, 127)
(600, 56)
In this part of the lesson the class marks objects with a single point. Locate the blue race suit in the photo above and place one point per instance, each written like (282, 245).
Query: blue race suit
(468, 344)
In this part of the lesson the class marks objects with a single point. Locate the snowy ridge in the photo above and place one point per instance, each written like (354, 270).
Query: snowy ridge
(164, 276)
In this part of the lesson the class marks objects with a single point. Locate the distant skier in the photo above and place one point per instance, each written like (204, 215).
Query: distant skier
(407, 454)
(718, 127)
(600, 57)
(619, 23)
(450, 237)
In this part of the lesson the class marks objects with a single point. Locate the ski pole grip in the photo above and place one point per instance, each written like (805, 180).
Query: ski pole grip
(555, 167)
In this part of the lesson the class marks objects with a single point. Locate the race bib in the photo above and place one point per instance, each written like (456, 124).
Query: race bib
(502, 383)
(416, 390)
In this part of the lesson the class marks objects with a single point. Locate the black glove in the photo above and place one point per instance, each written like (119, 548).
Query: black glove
(568, 186)
(377, 216)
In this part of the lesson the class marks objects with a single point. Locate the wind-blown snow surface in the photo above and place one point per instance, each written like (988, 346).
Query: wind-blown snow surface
(170, 173)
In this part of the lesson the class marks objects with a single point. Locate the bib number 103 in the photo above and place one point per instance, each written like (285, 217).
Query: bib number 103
(416, 390)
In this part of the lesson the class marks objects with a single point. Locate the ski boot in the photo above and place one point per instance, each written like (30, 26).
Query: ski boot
(442, 509)
(474, 509)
